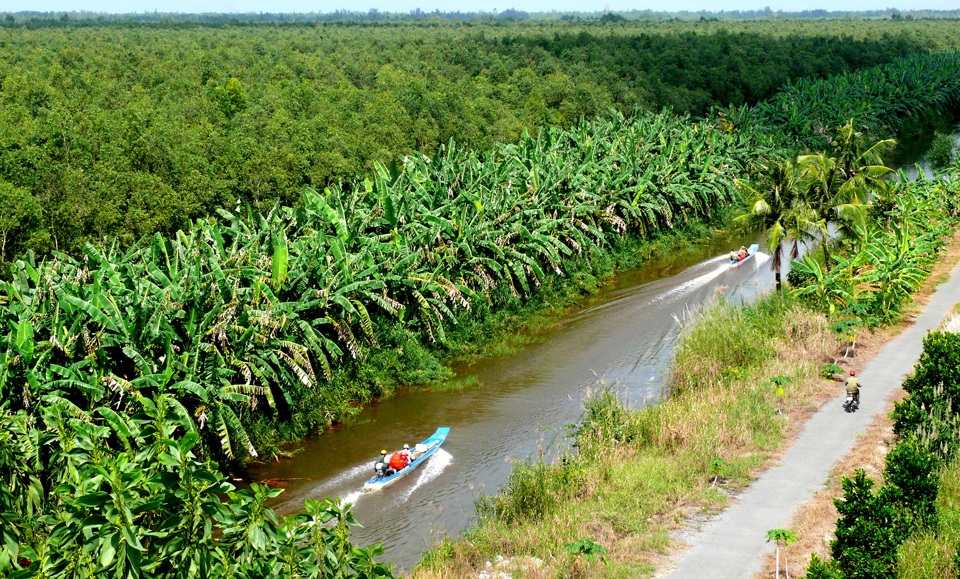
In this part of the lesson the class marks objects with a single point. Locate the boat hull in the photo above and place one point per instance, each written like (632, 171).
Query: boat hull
(751, 251)
(432, 444)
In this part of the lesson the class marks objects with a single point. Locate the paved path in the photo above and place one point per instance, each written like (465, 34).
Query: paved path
(732, 545)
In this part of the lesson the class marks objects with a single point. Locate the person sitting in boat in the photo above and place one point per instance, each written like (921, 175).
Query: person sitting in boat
(734, 256)
(406, 453)
(399, 460)
(742, 254)
(381, 466)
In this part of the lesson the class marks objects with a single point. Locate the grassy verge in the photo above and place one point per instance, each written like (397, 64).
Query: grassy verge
(639, 474)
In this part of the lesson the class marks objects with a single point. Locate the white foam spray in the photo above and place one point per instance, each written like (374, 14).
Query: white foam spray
(360, 471)
(431, 470)
(351, 498)
(692, 283)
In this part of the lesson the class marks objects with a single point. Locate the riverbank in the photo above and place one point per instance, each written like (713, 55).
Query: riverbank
(641, 474)
(638, 475)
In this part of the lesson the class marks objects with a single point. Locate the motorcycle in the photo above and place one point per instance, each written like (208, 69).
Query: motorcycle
(850, 404)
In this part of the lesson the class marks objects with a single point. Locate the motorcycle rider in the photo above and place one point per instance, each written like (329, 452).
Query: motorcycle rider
(853, 385)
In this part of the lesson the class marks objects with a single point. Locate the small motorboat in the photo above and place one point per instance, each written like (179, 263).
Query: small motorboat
(751, 251)
(418, 454)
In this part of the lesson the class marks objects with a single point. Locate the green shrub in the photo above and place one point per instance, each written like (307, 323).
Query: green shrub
(819, 569)
(830, 370)
(934, 383)
(797, 278)
(869, 531)
(605, 419)
(531, 493)
(940, 154)
(913, 481)
(590, 550)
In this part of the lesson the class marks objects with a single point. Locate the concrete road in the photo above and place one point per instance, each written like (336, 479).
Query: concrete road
(733, 544)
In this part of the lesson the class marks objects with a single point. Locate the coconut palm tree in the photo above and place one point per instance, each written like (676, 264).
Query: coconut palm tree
(775, 208)
(838, 184)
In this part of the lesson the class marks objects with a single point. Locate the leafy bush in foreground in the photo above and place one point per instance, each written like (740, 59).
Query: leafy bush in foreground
(97, 494)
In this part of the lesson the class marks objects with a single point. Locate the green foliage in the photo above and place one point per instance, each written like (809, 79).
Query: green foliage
(231, 98)
(882, 99)
(911, 477)
(830, 370)
(124, 130)
(19, 217)
(532, 492)
(590, 550)
(870, 281)
(719, 468)
(869, 530)
(605, 421)
(932, 388)
(941, 151)
(819, 569)
(777, 209)
(97, 494)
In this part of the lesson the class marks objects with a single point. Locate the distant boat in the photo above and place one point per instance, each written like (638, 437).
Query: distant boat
(418, 454)
(751, 251)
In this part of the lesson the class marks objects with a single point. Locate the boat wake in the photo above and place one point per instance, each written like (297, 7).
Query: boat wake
(327, 488)
(431, 470)
(358, 471)
(351, 498)
(762, 257)
(692, 283)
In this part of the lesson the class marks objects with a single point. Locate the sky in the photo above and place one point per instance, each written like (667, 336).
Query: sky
(306, 6)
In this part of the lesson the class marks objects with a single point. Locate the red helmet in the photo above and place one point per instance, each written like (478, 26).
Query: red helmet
(853, 372)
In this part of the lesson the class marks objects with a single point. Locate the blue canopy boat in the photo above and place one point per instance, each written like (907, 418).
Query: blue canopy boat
(751, 251)
(418, 454)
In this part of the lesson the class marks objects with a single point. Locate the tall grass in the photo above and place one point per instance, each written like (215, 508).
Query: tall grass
(636, 471)
(933, 554)
(722, 341)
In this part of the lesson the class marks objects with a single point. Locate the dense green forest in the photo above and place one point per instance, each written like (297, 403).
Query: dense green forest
(354, 17)
(122, 131)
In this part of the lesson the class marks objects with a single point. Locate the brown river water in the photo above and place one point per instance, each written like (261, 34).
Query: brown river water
(519, 405)
(514, 406)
